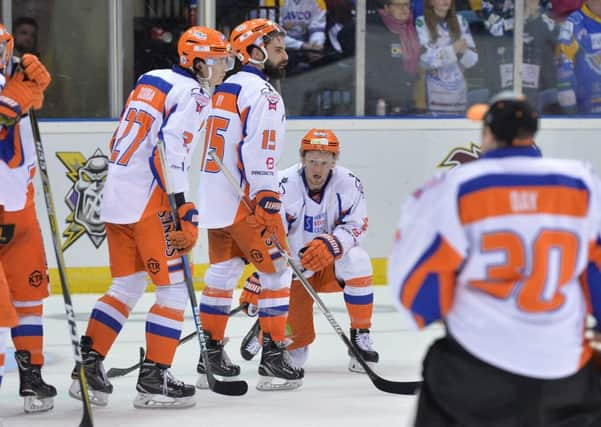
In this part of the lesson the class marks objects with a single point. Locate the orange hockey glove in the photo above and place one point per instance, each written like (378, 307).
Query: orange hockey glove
(16, 99)
(267, 210)
(35, 70)
(250, 295)
(185, 238)
(321, 252)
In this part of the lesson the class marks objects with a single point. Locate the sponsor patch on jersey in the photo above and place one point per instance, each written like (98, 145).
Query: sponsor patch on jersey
(596, 41)
(395, 50)
(153, 265)
(35, 279)
(315, 224)
(201, 98)
(87, 176)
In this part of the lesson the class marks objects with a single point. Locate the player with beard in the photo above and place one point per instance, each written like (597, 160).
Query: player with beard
(246, 130)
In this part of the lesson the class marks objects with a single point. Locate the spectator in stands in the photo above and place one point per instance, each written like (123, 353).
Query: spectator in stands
(447, 49)
(25, 34)
(340, 26)
(392, 59)
(579, 75)
(305, 24)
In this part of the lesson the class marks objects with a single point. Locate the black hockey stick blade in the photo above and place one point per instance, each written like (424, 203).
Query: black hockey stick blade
(119, 372)
(395, 387)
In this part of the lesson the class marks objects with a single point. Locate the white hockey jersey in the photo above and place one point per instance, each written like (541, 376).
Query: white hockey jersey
(341, 211)
(246, 129)
(304, 21)
(446, 89)
(17, 163)
(169, 104)
(507, 251)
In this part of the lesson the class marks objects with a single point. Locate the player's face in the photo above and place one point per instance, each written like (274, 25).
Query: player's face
(441, 7)
(218, 68)
(318, 165)
(399, 9)
(277, 58)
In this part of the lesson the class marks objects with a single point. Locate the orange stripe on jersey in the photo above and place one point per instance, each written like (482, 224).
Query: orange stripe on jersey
(499, 201)
(150, 95)
(360, 282)
(429, 288)
(278, 293)
(226, 101)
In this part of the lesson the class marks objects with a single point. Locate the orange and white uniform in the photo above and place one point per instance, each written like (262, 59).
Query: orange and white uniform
(465, 250)
(23, 257)
(167, 104)
(341, 211)
(246, 129)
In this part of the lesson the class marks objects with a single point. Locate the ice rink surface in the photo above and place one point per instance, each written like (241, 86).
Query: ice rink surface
(331, 396)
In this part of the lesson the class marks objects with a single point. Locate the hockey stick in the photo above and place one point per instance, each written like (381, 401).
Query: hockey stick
(230, 388)
(119, 372)
(396, 387)
(86, 420)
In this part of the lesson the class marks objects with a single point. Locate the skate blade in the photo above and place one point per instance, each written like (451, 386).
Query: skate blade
(269, 384)
(203, 384)
(160, 401)
(97, 398)
(354, 366)
(33, 404)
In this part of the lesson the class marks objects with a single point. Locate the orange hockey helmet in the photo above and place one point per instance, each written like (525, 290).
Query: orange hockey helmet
(254, 32)
(6, 50)
(320, 140)
(202, 43)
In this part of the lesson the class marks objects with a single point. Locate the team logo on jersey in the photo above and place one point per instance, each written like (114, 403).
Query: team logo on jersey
(272, 97)
(201, 98)
(461, 155)
(84, 196)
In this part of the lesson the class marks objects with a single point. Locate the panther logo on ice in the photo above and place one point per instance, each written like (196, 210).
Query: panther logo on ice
(459, 155)
(84, 197)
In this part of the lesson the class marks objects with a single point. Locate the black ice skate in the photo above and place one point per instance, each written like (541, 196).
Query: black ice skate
(250, 346)
(38, 395)
(277, 364)
(363, 343)
(219, 362)
(157, 388)
(99, 386)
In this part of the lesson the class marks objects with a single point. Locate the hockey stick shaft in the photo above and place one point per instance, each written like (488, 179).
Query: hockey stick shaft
(396, 387)
(119, 372)
(232, 388)
(86, 420)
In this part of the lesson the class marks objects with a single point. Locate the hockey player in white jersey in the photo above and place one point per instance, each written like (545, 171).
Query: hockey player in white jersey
(167, 104)
(326, 220)
(246, 130)
(506, 251)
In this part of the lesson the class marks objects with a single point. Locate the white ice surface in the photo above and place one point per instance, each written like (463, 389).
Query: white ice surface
(331, 395)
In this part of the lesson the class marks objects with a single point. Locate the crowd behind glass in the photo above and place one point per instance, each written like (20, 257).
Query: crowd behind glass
(422, 57)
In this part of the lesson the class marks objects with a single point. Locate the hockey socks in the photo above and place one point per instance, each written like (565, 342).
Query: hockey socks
(214, 311)
(163, 330)
(359, 299)
(107, 319)
(28, 335)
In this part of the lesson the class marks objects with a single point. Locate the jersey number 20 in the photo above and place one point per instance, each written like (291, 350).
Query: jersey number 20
(554, 256)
